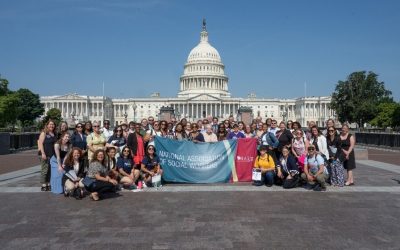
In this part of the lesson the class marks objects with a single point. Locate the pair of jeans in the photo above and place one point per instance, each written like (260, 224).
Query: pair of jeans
(269, 178)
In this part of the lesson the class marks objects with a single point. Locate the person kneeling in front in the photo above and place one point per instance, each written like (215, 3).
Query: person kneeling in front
(150, 166)
(97, 180)
(315, 172)
(265, 162)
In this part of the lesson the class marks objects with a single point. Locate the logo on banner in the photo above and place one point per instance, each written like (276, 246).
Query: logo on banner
(244, 158)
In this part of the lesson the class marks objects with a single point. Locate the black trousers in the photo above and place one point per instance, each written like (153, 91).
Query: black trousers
(101, 187)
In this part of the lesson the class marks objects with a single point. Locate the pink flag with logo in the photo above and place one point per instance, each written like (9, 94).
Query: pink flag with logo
(246, 153)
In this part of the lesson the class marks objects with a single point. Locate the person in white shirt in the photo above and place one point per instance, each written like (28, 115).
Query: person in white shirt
(273, 129)
(107, 132)
(208, 134)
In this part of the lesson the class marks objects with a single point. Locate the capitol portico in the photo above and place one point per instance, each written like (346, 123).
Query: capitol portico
(203, 93)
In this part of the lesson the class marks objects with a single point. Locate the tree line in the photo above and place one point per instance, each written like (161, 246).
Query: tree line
(21, 107)
(360, 99)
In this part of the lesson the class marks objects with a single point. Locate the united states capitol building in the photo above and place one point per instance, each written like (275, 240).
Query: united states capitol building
(203, 92)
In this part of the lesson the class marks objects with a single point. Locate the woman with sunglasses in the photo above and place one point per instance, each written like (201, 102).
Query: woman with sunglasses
(336, 157)
(125, 165)
(195, 135)
(347, 142)
(152, 133)
(315, 173)
(117, 140)
(96, 140)
(150, 166)
(78, 138)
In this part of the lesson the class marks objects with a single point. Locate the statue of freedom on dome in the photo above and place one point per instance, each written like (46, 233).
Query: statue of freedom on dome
(204, 24)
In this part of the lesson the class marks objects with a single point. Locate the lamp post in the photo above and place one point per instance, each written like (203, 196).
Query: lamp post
(134, 106)
(285, 113)
(125, 118)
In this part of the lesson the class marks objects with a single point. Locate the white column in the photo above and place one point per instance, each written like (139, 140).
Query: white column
(220, 109)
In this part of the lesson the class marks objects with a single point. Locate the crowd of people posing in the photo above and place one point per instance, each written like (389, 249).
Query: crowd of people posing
(98, 160)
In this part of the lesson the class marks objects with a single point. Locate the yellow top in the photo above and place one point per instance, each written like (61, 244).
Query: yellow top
(265, 163)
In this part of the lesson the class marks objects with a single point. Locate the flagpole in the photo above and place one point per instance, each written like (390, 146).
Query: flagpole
(103, 105)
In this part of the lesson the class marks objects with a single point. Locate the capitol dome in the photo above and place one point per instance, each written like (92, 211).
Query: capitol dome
(204, 71)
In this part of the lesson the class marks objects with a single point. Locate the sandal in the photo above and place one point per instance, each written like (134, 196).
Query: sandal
(43, 188)
(48, 188)
(94, 197)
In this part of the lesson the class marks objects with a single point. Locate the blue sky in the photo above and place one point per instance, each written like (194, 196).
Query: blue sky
(272, 48)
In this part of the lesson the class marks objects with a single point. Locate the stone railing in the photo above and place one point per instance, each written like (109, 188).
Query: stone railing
(10, 142)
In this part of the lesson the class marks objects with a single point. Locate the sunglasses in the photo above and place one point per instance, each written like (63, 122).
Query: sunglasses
(311, 149)
(150, 149)
(126, 151)
(96, 126)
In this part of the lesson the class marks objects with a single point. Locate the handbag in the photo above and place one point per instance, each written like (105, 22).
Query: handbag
(87, 181)
(291, 183)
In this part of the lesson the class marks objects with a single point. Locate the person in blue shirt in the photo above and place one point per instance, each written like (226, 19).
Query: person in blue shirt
(125, 166)
(235, 134)
(150, 165)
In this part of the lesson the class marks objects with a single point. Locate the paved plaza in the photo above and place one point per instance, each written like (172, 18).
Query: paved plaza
(219, 216)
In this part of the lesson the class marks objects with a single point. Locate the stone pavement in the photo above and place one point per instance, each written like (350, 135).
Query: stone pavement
(219, 216)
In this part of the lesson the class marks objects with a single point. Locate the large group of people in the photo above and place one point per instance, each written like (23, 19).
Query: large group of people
(95, 160)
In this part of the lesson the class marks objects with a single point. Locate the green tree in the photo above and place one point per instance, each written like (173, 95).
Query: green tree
(396, 116)
(53, 114)
(30, 107)
(386, 113)
(9, 109)
(4, 87)
(357, 98)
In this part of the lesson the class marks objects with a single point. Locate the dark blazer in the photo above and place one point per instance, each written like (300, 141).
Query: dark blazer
(133, 142)
(78, 142)
(291, 165)
(285, 139)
